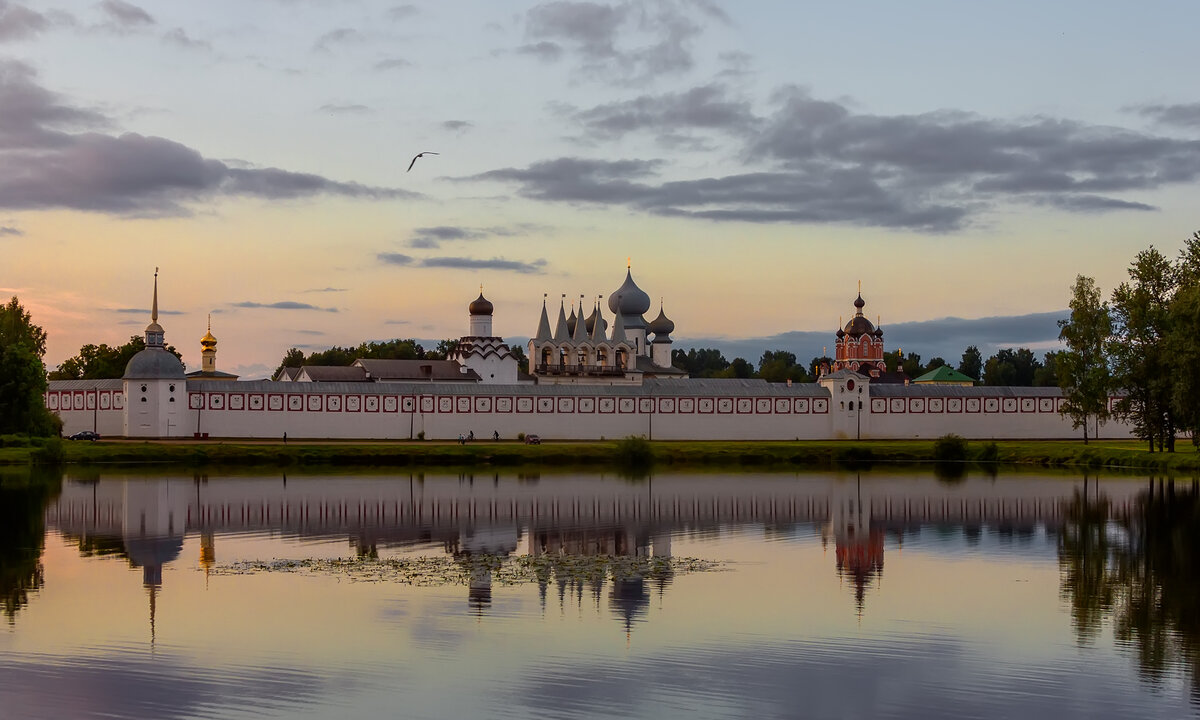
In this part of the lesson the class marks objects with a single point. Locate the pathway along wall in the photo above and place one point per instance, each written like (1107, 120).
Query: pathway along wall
(660, 410)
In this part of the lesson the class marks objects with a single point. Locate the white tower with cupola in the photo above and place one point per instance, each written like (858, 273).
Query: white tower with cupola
(155, 386)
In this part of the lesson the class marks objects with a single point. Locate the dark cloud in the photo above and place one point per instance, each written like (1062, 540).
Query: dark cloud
(456, 125)
(126, 14)
(178, 36)
(701, 108)
(392, 64)
(395, 258)
(282, 305)
(463, 263)
(626, 42)
(396, 322)
(47, 165)
(402, 12)
(326, 290)
(146, 311)
(545, 51)
(340, 36)
(1186, 115)
(943, 337)
(430, 237)
(18, 22)
(824, 163)
(10, 231)
(334, 109)
(309, 332)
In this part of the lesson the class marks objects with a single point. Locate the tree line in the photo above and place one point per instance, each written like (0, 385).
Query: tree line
(1143, 343)
(397, 349)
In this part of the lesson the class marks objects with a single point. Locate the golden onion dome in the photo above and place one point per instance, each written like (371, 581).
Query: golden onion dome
(208, 342)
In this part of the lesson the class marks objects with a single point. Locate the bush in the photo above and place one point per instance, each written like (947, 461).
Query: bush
(950, 448)
(989, 453)
(421, 435)
(634, 450)
(14, 441)
(521, 436)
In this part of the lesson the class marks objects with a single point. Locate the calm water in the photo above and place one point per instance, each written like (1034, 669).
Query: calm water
(835, 596)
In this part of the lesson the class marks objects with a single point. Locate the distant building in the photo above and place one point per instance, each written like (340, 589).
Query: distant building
(859, 345)
(944, 375)
(208, 359)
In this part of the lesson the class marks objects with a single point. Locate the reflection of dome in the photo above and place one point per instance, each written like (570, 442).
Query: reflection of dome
(153, 363)
(151, 553)
(480, 306)
(629, 299)
(629, 598)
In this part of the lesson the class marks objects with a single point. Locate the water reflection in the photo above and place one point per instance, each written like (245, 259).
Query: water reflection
(1124, 552)
(23, 499)
(1137, 567)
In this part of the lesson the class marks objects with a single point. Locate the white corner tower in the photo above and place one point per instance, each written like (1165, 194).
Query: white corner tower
(155, 386)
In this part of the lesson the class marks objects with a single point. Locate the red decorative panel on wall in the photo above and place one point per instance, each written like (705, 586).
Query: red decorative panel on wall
(483, 404)
(1009, 404)
(724, 405)
(820, 405)
(607, 404)
(371, 403)
(802, 406)
(545, 404)
(936, 405)
(445, 404)
(216, 401)
(625, 405)
(295, 403)
(504, 404)
(1046, 405)
(314, 403)
(878, 405)
(916, 405)
(196, 401)
(353, 403)
(687, 405)
(237, 401)
(706, 405)
(524, 404)
(1028, 405)
(587, 405)
(666, 405)
(566, 405)
(256, 401)
(954, 405)
(645, 405)
(897, 405)
(745, 406)
(275, 403)
(991, 405)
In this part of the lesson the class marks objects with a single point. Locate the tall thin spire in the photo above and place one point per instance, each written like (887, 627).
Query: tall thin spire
(543, 331)
(154, 308)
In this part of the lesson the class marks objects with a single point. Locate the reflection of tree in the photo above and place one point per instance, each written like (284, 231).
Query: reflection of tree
(23, 501)
(1141, 569)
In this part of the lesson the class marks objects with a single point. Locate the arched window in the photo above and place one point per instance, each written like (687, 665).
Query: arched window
(547, 355)
(601, 357)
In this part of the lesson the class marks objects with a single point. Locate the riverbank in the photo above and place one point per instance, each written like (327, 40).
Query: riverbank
(1115, 455)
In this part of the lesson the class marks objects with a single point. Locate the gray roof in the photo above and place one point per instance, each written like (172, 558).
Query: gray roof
(334, 373)
(646, 365)
(423, 370)
(105, 384)
(154, 363)
(943, 390)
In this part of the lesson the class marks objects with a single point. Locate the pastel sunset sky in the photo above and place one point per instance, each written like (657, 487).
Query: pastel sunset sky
(754, 159)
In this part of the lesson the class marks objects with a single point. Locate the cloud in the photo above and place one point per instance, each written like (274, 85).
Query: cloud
(309, 332)
(627, 43)
(463, 263)
(402, 12)
(178, 36)
(325, 290)
(125, 14)
(18, 22)
(1186, 115)
(392, 64)
(47, 165)
(457, 126)
(396, 322)
(7, 231)
(146, 311)
(817, 161)
(431, 237)
(282, 305)
(340, 36)
(333, 109)
(395, 258)
(701, 108)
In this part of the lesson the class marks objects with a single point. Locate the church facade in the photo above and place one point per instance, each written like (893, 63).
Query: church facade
(587, 383)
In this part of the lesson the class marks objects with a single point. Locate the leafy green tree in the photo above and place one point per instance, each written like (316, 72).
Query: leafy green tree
(780, 366)
(1009, 367)
(519, 353)
(1141, 362)
(971, 364)
(97, 362)
(443, 349)
(701, 363)
(293, 358)
(935, 363)
(1047, 374)
(1184, 346)
(23, 375)
(738, 368)
(1083, 369)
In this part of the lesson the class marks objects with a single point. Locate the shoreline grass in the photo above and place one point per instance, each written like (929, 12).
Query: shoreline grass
(1105, 454)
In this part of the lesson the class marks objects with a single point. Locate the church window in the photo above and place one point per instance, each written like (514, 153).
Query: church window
(172, 388)
(143, 388)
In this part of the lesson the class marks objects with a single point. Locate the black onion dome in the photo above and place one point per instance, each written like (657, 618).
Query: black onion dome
(859, 325)
(629, 299)
(480, 306)
(859, 302)
(661, 325)
(841, 333)
(878, 332)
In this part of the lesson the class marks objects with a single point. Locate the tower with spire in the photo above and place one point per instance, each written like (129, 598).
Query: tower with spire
(155, 386)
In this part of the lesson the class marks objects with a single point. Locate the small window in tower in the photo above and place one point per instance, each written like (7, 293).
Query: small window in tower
(143, 388)
(143, 399)
(171, 400)
(172, 388)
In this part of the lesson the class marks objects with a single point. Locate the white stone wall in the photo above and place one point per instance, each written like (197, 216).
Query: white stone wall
(96, 409)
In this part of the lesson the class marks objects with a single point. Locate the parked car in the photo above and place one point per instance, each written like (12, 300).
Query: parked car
(85, 435)
(533, 440)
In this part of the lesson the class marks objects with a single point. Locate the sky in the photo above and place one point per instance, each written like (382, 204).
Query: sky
(752, 161)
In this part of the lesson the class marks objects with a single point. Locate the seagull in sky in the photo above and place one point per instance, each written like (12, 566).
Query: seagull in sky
(420, 154)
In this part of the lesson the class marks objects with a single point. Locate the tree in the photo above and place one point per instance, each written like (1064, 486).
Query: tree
(935, 363)
(443, 349)
(519, 353)
(815, 365)
(1009, 367)
(702, 363)
(1047, 374)
(293, 358)
(738, 368)
(1082, 368)
(97, 362)
(1184, 346)
(23, 375)
(1140, 359)
(780, 366)
(971, 364)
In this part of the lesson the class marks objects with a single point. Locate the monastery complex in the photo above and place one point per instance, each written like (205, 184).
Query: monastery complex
(589, 379)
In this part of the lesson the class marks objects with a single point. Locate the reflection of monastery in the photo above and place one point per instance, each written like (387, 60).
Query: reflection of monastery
(475, 516)
(589, 380)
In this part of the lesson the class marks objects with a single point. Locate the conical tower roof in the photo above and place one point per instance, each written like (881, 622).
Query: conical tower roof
(580, 332)
(618, 333)
(599, 325)
(543, 331)
(661, 326)
(561, 332)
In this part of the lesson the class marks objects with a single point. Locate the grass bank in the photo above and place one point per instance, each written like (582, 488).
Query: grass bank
(1116, 455)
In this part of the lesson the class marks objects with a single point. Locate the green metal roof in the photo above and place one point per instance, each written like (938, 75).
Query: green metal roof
(944, 374)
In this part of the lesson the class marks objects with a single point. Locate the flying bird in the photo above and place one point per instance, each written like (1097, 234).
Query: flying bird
(420, 154)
